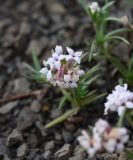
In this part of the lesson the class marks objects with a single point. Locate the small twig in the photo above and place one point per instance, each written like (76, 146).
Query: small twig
(21, 95)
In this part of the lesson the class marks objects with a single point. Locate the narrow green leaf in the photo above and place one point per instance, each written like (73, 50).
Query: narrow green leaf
(117, 31)
(115, 38)
(89, 94)
(92, 49)
(29, 67)
(83, 57)
(113, 19)
(62, 102)
(91, 80)
(90, 72)
(117, 64)
(107, 6)
(92, 98)
(130, 65)
(36, 61)
(66, 94)
(84, 5)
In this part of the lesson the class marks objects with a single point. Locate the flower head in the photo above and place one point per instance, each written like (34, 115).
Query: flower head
(94, 7)
(119, 100)
(63, 69)
(101, 126)
(115, 139)
(108, 138)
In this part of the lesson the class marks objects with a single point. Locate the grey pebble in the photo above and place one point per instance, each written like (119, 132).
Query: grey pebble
(64, 152)
(26, 118)
(50, 145)
(47, 155)
(14, 138)
(35, 106)
(8, 107)
(55, 112)
(22, 150)
(67, 136)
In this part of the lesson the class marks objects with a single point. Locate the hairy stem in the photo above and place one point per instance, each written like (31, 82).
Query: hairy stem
(121, 119)
(75, 102)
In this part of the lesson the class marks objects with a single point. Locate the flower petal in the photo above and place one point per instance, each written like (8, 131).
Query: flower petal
(73, 85)
(70, 51)
(129, 105)
(57, 65)
(67, 78)
(77, 59)
(58, 49)
(78, 54)
(49, 75)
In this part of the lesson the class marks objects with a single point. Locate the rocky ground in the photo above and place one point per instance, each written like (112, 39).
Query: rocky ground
(26, 106)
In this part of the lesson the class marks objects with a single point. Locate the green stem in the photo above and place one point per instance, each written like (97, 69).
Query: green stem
(66, 94)
(62, 118)
(72, 99)
(96, 28)
(120, 121)
(129, 118)
(75, 102)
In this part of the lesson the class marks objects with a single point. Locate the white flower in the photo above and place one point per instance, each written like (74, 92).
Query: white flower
(59, 49)
(115, 139)
(101, 126)
(73, 55)
(69, 81)
(108, 138)
(110, 145)
(90, 144)
(84, 139)
(60, 70)
(119, 100)
(94, 7)
(54, 63)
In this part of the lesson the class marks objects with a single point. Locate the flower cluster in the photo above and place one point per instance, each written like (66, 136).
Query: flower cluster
(61, 69)
(103, 137)
(119, 100)
(94, 7)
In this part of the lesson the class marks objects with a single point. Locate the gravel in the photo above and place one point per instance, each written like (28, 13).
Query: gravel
(22, 150)
(8, 107)
(26, 119)
(64, 152)
(35, 106)
(40, 25)
(14, 138)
